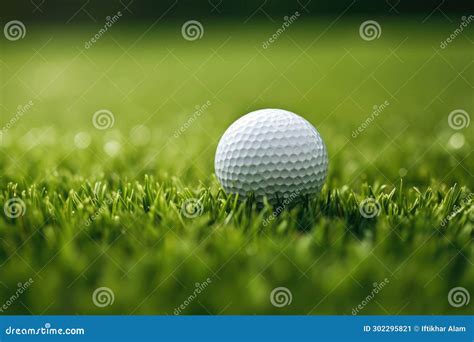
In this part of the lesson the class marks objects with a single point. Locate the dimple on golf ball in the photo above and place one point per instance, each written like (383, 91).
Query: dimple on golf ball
(273, 153)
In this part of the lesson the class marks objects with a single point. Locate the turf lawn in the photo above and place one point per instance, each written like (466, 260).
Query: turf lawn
(103, 208)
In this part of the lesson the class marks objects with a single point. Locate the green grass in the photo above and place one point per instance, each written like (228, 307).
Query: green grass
(111, 214)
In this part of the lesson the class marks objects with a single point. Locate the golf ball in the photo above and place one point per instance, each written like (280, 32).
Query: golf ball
(273, 153)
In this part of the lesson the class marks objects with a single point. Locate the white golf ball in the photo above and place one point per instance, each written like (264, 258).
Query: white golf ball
(273, 153)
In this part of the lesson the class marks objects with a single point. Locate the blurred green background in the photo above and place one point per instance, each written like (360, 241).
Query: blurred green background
(157, 80)
(159, 152)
